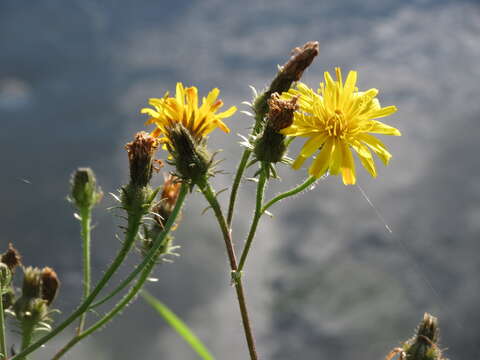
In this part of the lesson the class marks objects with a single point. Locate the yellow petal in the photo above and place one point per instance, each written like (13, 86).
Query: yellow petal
(382, 112)
(365, 157)
(378, 127)
(212, 96)
(180, 94)
(227, 113)
(322, 161)
(377, 146)
(297, 164)
(348, 166)
(150, 112)
(336, 158)
(192, 97)
(312, 145)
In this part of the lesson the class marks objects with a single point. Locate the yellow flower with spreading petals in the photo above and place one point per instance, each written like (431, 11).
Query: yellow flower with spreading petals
(336, 119)
(183, 109)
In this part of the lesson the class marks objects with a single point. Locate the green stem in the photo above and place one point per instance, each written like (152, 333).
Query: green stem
(3, 342)
(289, 193)
(236, 184)
(157, 243)
(27, 333)
(149, 262)
(111, 314)
(131, 233)
(227, 236)
(262, 181)
(86, 216)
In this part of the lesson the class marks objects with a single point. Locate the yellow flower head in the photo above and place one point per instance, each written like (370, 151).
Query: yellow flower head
(336, 119)
(183, 109)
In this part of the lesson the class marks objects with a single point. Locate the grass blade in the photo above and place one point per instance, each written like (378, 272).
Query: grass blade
(179, 326)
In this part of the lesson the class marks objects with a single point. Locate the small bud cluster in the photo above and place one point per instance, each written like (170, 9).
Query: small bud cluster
(39, 289)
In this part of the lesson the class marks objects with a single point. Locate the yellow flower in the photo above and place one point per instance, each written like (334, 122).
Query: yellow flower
(183, 109)
(336, 119)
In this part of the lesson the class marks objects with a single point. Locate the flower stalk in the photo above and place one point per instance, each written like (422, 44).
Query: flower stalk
(237, 281)
(5, 279)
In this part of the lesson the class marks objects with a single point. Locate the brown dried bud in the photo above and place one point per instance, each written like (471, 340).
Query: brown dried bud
(11, 257)
(168, 199)
(290, 72)
(280, 114)
(301, 58)
(50, 284)
(140, 156)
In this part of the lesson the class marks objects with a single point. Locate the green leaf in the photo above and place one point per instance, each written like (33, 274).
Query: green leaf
(179, 326)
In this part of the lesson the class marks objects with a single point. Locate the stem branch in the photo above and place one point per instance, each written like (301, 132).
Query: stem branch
(212, 200)
(256, 218)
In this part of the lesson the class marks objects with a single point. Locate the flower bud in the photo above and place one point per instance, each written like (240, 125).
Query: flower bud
(140, 156)
(32, 282)
(270, 146)
(423, 345)
(190, 155)
(11, 257)
(280, 113)
(85, 193)
(50, 285)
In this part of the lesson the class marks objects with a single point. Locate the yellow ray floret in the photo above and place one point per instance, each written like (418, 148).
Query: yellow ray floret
(183, 109)
(336, 119)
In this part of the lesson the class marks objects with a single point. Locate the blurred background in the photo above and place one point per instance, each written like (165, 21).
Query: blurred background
(325, 278)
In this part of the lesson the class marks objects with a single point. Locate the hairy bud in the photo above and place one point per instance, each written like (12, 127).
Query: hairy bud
(85, 193)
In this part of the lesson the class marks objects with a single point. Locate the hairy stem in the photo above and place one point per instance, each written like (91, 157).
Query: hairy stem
(212, 200)
(3, 342)
(289, 193)
(86, 216)
(236, 184)
(262, 181)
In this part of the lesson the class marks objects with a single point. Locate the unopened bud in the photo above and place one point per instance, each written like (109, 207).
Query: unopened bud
(50, 285)
(11, 257)
(32, 282)
(85, 193)
(140, 156)
(270, 145)
(280, 113)
(423, 345)
(190, 156)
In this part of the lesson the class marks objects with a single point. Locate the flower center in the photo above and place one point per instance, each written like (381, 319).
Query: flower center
(336, 125)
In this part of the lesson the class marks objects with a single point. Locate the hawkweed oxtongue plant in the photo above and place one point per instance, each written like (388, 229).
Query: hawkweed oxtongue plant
(338, 121)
